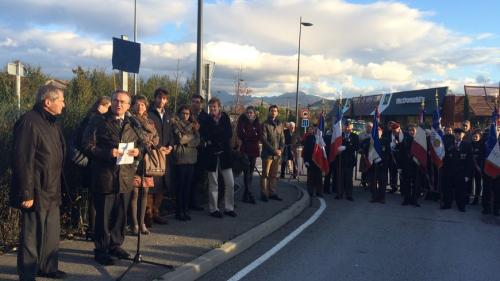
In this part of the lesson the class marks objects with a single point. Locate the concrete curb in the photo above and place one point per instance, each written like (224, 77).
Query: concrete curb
(205, 263)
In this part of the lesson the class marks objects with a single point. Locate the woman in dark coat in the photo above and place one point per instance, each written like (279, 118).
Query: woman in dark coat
(249, 133)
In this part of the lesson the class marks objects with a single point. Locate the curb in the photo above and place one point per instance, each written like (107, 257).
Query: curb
(210, 260)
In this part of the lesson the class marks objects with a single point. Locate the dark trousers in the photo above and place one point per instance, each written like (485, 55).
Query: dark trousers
(184, 177)
(454, 189)
(478, 183)
(329, 181)
(410, 186)
(248, 173)
(377, 180)
(346, 175)
(111, 218)
(314, 180)
(393, 174)
(285, 163)
(199, 185)
(39, 242)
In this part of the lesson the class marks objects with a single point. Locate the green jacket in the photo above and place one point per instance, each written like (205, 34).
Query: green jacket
(272, 138)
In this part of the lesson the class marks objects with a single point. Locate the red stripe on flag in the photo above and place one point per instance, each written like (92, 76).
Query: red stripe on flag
(420, 153)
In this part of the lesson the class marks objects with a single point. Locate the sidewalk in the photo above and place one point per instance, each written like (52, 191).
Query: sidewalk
(179, 243)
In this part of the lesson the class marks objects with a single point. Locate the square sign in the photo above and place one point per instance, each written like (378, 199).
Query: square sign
(305, 123)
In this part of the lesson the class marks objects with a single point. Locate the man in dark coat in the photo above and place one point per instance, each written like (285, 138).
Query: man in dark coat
(376, 174)
(478, 150)
(112, 182)
(37, 168)
(412, 175)
(273, 143)
(200, 181)
(161, 118)
(217, 132)
(458, 168)
(350, 141)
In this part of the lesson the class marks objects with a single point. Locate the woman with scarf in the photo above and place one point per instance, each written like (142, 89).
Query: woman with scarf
(249, 133)
(149, 134)
(187, 138)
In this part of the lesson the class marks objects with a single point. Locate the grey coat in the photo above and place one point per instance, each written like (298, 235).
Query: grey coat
(273, 138)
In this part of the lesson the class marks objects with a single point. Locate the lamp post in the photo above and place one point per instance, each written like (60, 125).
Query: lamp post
(301, 23)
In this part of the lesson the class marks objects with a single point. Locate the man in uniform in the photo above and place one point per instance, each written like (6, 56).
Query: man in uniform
(411, 173)
(350, 141)
(458, 168)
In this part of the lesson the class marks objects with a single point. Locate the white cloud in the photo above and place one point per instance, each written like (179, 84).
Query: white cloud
(357, 48)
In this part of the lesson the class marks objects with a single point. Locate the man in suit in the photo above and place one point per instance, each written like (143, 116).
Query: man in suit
(350, 141)
(112, 182)
(458, 168)
(37, 172)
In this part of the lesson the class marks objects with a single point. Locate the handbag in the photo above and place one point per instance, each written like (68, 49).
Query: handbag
(155, 163)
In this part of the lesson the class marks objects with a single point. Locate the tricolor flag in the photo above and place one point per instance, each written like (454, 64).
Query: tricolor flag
(375, 149)
(419, 145)
(437, 148)
(492, 153)
(319, 154)
(336, 141)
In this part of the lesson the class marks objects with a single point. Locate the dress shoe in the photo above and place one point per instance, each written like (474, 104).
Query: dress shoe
(338, 197)
(349, 198)
(53, 275)
(119, 253)
(405, 203)
(275, 197)
(373, 201)
(134, 230)
(180, 217)
(475, 201)
(416, 204)
(230, 213)
(216, 214)
(159, 220)
(381, 201)
(263, 198)
(104, 259)
(462, 209)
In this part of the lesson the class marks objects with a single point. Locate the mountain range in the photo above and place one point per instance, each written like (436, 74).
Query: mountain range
(283, 100)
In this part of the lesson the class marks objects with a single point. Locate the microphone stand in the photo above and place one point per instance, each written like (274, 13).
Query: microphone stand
(137, 259)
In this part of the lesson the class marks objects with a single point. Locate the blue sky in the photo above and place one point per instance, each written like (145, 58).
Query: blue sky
(355, 47)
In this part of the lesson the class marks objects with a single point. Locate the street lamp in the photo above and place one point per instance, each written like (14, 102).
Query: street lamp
(301, 23)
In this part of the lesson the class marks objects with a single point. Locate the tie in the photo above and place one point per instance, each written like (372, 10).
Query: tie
(120, 121)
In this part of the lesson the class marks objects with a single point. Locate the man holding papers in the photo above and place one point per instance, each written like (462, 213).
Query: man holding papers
(112, 143)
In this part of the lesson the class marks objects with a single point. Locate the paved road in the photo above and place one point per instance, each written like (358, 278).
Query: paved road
(367, 241)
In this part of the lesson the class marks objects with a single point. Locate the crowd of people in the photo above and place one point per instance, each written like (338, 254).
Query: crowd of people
(460, 178)
(201, 150)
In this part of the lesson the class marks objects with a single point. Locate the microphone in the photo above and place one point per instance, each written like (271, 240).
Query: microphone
(133, 120)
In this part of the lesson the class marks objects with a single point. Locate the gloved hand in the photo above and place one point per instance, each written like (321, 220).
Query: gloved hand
(400, 171)
(466, 179)
(341, 148)
(306, 164)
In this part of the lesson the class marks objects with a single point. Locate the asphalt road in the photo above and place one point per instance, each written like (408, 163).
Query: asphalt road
(370, 241)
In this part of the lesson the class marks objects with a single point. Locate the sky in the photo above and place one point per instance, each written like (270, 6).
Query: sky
(354, 47)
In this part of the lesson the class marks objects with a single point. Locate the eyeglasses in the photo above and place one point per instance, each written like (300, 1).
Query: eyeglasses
(120, 101)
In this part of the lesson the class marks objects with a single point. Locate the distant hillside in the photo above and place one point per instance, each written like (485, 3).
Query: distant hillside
(281, 100)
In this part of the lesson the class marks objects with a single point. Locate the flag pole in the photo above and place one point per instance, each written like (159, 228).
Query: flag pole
(339, 186)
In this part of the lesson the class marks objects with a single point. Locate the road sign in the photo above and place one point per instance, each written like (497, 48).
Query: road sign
(304, 113)
(12, 69)
(305, 123)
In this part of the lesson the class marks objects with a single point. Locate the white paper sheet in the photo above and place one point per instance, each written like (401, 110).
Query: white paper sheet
(125, 158)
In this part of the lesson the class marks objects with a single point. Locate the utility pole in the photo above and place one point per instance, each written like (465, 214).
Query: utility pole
(199, 53)
(17, 68)
(176, 92)
(208, 82)
(135, 40)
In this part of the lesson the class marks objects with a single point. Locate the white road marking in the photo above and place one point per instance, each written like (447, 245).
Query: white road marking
(256, 263)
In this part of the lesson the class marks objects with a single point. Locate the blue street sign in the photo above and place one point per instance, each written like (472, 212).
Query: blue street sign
(305, 123)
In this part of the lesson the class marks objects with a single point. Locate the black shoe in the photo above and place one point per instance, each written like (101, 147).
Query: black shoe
(180, 217)
(373, 201)
(263, 198)
(230, 213)
(381, 201)
(196, 208)
(444, 207)
(187, 217)
(119, 253)
(159, 220)
(251, 199)
(53, 275)
(350, 198)
(405, 203)
(216, 214)
(416, 204)
(104, 259)
(275, 197)
(475, 201)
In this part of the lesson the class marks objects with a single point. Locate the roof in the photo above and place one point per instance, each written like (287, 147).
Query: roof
(481, 100)
(410, 102)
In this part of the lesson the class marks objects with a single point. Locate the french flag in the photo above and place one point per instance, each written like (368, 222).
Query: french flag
(375, 149)
(419, 145)
(492, 163)
(437, 151)
(319, 154)
(336, 141)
